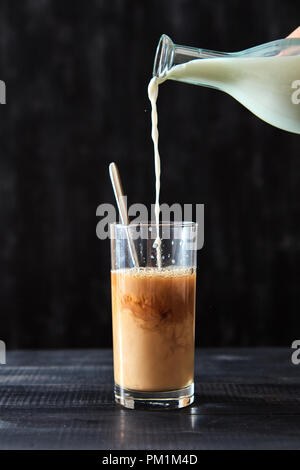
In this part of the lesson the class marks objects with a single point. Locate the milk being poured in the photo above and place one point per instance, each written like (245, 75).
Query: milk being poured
(267, 86)
(153, 94)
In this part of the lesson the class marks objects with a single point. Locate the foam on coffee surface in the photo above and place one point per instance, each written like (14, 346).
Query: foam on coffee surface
(168, 271)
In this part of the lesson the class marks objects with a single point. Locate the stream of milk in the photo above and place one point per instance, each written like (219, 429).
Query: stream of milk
(153, 94)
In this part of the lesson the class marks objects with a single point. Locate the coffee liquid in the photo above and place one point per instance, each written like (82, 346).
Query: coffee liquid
(153, 327)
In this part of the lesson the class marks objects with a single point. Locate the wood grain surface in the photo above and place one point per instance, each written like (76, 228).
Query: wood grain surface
(245, 399)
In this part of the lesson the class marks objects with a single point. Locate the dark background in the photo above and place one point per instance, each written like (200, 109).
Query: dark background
(76, 74)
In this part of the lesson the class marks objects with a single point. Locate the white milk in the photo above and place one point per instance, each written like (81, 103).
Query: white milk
(152, 94)
(264, 85)
(267, 86)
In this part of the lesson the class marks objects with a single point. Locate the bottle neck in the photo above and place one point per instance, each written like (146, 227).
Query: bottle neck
(169, 54)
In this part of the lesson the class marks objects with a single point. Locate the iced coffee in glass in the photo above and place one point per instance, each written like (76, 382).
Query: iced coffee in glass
(153, 312)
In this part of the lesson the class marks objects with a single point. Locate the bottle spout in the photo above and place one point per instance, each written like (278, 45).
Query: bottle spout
(169, 54)
(164, 56)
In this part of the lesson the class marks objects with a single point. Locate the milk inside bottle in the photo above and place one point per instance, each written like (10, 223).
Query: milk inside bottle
(265, 79)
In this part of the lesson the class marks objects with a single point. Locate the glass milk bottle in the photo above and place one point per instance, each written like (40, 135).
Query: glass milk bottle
(265, 78)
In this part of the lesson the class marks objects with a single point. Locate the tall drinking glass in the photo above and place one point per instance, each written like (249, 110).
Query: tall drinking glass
(153, 310)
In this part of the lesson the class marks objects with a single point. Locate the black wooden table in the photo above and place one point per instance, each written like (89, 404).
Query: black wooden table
(245, 399)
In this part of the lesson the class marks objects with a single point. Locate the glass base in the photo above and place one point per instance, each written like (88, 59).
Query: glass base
(172, 399)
